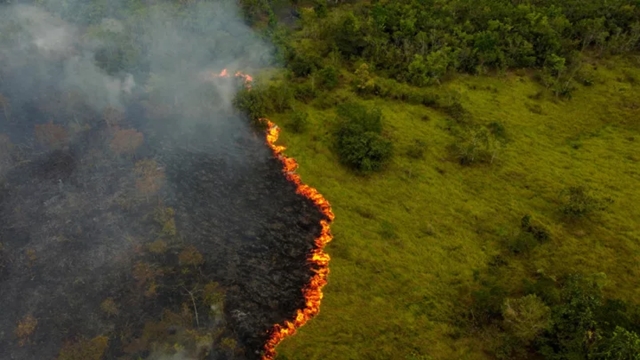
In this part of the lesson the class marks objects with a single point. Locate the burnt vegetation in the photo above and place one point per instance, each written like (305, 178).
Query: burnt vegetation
(140, 216)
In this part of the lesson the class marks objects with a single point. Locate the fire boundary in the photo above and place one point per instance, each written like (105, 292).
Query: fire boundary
(313, 291)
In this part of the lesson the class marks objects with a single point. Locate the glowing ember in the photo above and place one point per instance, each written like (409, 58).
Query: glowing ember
(313, 291)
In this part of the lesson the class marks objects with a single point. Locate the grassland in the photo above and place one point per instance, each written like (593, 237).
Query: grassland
(410, 240)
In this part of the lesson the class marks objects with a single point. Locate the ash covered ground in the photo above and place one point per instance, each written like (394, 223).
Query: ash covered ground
(140, 216)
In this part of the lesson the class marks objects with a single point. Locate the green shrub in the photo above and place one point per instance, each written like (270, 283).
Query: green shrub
(359, 142)
(456, 111)
(622, 344)
(497, 129)
(523, 243)
(298, 121)
(304, 92)
(328, 78)
(476, 145)
(416, 149)
(526, 317)
(487, 303)
(320, 8)
(279, 97)
(251, 102)
(578, 202)
(302, 64)
(544, 287)
(538, 231)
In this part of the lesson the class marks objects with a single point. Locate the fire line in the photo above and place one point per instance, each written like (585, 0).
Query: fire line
(313, 291)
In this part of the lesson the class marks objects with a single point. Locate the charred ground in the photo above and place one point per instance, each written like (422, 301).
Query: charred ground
(138, 221)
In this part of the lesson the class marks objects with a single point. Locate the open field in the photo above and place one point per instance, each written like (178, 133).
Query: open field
(408, 240)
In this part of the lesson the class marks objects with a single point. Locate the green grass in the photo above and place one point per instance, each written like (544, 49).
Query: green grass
(408, 239)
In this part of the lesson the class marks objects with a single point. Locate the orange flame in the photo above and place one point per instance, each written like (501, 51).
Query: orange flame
(313, 291)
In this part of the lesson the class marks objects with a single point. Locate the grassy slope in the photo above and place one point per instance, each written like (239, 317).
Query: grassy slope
(388, 297)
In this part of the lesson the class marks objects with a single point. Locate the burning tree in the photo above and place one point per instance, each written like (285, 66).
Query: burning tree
(51, 135)
(126, 141)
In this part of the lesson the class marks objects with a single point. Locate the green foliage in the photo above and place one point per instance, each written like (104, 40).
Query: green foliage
(574, 328)
(328, 78)
(522, 243)
(419, 42)
(578, 202)
(359, 142)
(252, 102)
(302, 63)
(622, 345)
(417, 149)
(299, 121)
(526, 317)
(476, 145)
(539, 232)
(258, 101)
(320, 8)
(487, 303)
(304, 92)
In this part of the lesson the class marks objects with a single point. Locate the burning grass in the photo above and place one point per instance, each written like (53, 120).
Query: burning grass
(318, 258)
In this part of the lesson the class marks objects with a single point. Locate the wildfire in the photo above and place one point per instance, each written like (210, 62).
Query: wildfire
(313, 291)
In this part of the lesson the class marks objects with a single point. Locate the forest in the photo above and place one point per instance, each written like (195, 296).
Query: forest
(481, 158)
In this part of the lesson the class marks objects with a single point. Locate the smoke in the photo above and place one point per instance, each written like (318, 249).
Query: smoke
(129, 187)
(96, 60)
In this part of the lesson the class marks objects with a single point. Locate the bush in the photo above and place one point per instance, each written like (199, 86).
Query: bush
(279, 98)
(522, 244)
(416, 150)
(329, 78)
(476, 145)
(456, 111)
(259, 101)
(538, 231)
(251, 102)
(578, 202)
(304, 92)
(359, 142)
(299, 121)
(487, 303)
(526, 317)
(302, 64)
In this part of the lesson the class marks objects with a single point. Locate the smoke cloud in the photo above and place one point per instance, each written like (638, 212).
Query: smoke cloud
(135, 204)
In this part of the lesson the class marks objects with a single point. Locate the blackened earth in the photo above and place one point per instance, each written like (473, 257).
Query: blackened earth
(75, 231)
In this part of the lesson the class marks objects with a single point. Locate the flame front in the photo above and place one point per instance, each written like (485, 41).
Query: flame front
(313, 291)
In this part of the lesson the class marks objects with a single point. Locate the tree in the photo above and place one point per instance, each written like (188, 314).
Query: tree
(126, 141)
(149, 177)
(359, 142)
(112, 116)
(526, 317)
(364, 81)
(575, 327)
(579, 202)
(51, 135)
(328, 77)
(622, 345)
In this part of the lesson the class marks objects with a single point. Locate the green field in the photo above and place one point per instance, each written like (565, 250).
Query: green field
(409, 239)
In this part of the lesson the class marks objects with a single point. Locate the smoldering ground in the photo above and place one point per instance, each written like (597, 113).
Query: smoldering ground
(140, 216)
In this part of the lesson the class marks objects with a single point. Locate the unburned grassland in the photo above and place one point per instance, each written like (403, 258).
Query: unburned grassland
(410, 239)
